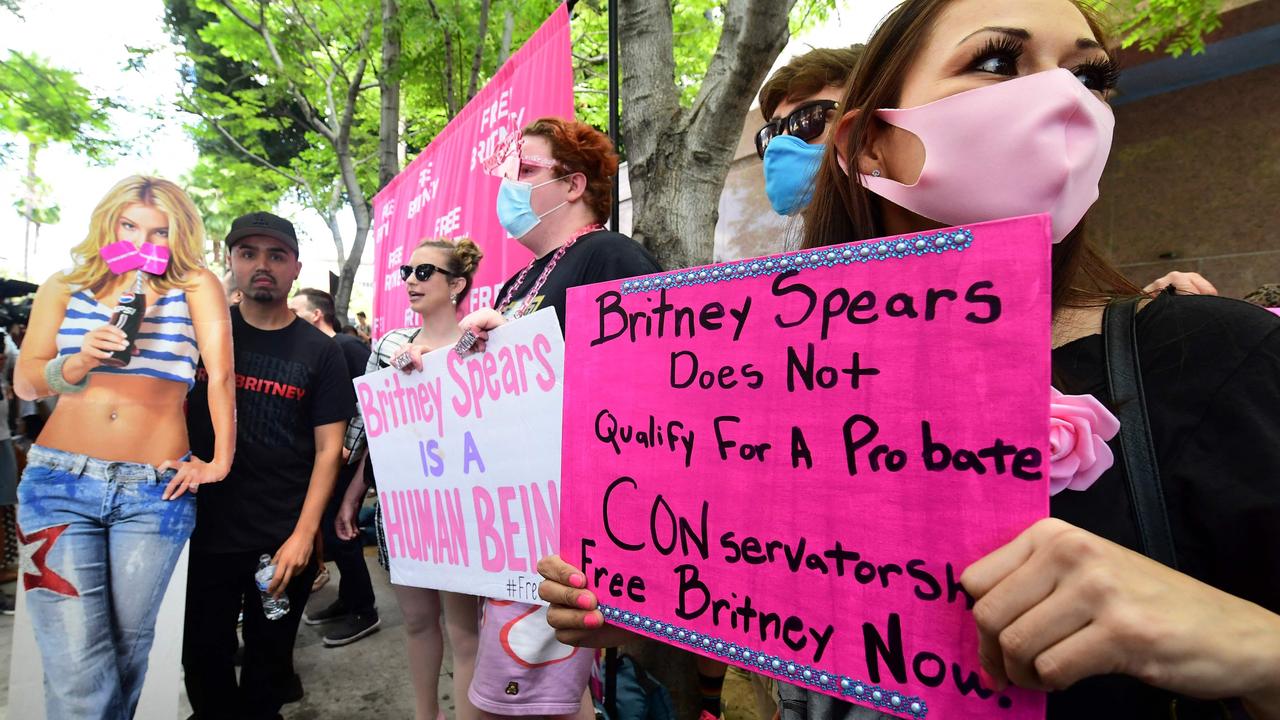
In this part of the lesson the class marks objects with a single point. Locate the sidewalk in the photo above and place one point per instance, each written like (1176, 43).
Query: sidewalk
(366, 680)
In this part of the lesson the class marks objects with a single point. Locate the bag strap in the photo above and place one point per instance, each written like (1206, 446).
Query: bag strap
(1137, 451)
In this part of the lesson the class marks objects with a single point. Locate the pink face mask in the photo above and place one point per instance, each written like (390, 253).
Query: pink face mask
(1035, 144)
(123, 256)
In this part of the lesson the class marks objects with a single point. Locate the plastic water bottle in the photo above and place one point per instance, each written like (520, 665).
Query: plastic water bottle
(273, 608)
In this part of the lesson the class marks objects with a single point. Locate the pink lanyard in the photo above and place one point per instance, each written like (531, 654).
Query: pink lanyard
(533, 292)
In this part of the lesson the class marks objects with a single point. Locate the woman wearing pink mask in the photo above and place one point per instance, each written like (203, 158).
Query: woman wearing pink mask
(971, 110)
(107, 499)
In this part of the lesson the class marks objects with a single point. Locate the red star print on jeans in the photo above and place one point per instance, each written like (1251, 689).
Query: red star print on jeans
(32, 550)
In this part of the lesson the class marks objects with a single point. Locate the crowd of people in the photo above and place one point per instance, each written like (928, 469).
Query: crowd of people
(234, 424)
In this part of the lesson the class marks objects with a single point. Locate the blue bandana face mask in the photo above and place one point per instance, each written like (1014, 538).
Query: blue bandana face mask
(790, 167)
(515, 209)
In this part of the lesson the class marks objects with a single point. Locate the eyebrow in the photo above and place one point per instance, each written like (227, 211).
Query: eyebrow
(126, 218)
(1022, 34)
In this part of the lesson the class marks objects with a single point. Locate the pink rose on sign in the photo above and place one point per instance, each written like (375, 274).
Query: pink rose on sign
(1079, 428)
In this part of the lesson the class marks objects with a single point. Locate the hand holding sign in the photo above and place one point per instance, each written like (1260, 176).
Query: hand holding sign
(1059, 604)
(574, 611)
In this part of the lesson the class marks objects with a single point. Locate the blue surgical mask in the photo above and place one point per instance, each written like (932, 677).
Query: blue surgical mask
(790, 167)
(515, 208)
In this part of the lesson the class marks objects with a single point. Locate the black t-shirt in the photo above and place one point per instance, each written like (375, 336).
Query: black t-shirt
(1211, 376)
(354, 352)
(288, 382)
(595, 257)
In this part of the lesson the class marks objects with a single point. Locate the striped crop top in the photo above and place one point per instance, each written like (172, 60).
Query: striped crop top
(166, 341)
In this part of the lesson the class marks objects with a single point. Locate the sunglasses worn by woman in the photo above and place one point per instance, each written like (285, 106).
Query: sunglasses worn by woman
(423, 271)
(946, 122)
(807, 122)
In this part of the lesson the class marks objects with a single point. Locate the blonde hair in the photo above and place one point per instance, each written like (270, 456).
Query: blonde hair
(464, 257)
(186, 234)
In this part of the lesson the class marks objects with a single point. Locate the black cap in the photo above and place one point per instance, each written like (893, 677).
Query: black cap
(266, 224)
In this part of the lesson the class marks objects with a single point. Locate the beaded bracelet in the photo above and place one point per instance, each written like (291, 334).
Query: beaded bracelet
(57, 383)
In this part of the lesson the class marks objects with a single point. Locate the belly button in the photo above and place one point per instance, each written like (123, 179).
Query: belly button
(114, 415)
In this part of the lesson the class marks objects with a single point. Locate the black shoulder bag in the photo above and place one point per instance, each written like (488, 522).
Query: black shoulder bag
(1137, 451)
(1138, 455)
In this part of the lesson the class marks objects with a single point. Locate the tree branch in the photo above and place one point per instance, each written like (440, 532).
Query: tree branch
(192, 107)
(647, 54)
(308, 110)
(450, 101)
(478, 56)
(753, 34)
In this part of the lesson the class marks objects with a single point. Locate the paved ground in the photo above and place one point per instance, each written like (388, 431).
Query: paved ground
(362, 681)
(369, 679)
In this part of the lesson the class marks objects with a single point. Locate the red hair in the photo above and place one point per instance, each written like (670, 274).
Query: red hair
(579, 148)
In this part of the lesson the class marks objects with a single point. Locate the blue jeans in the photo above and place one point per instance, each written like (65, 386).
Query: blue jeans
(98, 548)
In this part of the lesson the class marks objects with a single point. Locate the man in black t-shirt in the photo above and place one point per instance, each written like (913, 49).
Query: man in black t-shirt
(293, 400)
(353, 613)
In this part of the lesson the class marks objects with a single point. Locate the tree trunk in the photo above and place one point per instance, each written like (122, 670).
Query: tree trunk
(679, 156)
(360, 209)
(478, 56)
(508, 27)
(389, 91)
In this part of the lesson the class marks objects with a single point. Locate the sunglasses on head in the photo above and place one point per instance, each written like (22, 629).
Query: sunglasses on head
(423, 272)
(806, 122)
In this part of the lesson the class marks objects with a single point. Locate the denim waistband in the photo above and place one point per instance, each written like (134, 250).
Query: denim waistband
(91, 467)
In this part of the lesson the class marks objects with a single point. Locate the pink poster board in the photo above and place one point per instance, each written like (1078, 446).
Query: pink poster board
(445, 192)
(786, 463)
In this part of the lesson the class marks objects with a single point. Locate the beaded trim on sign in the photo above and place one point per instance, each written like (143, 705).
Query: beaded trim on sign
(792, 672)
(897, 249)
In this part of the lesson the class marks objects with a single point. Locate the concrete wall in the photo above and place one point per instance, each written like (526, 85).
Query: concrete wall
(1194, 184)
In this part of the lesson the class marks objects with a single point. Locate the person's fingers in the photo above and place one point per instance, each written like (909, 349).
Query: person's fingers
(979, 578)
(1203, 286)
(174, 489)
(344, 524)
(992, 660)
(1084, 653)
(562, 618)
(1056, 618)
(553, 567)
(1018, 592)
(565, 596)
(279, 583)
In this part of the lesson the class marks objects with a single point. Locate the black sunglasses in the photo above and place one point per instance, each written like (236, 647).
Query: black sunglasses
(806, 122)
(423, 272)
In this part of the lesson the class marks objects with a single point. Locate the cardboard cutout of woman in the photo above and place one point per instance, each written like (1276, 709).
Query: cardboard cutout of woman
(106, 502)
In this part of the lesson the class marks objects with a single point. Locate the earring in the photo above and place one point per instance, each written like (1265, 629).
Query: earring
(454, 298)
(875, 173)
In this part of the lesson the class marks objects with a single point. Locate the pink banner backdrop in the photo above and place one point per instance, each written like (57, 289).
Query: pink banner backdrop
(445, 193)
(785, 463)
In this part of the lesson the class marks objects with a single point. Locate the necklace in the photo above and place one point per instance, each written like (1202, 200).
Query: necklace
(533, 292)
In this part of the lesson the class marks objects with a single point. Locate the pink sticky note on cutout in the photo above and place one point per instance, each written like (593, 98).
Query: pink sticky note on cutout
(773, 462)
(121, 256)
(155, 258)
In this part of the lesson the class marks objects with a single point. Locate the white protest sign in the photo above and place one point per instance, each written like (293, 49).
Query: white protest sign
(467, 456)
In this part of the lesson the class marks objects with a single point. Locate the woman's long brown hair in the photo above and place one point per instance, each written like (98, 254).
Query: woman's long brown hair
(842, 210)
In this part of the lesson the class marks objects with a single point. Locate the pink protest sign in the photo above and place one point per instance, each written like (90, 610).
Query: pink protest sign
(786, 463)
(445, 191)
